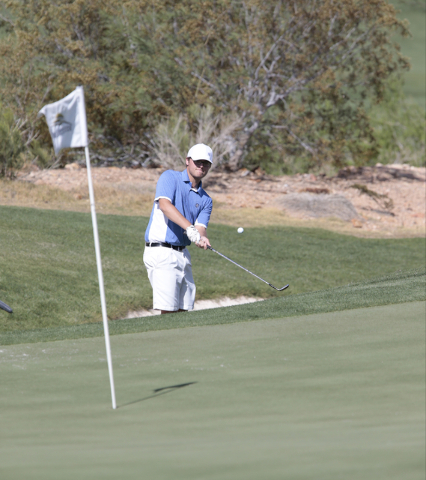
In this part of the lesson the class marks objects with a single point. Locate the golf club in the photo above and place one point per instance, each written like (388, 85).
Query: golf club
(248, 271)
(5, 307)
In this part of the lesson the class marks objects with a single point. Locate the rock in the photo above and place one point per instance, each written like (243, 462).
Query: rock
(318, 205)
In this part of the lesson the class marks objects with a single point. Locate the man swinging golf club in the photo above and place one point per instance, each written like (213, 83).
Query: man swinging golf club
(180, 215)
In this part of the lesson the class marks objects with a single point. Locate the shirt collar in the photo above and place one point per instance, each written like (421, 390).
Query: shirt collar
(186, 179)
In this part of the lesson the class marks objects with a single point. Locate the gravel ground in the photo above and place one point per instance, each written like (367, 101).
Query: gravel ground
(387, 199)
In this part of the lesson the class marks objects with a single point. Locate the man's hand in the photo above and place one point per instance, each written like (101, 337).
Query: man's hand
(193, 234)
(204, 242)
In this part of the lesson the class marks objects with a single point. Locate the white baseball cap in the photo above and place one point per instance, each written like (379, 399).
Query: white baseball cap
(200, 152)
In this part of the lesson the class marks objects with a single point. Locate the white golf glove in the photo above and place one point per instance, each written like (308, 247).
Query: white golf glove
(193, 234)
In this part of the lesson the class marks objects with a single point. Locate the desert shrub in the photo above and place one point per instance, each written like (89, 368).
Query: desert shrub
(42, 156)
(314, 64)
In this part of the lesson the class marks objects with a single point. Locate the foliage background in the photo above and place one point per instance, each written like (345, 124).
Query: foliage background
(289, 86)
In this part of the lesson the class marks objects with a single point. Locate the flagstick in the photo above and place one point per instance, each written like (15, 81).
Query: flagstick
(101, 279)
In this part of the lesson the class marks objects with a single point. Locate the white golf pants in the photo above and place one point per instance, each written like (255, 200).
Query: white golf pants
(170, 275)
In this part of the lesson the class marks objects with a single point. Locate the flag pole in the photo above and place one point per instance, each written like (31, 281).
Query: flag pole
(100, 276)
(67, 124)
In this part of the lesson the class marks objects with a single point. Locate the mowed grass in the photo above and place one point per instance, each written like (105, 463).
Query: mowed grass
(336, 396)
(48, 270)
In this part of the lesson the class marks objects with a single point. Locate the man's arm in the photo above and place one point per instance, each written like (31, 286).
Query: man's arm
(173, 214)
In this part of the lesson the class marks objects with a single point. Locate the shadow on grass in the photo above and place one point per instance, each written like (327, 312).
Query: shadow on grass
(158, 392)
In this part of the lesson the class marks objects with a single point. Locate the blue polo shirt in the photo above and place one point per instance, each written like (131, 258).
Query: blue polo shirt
(195, 205)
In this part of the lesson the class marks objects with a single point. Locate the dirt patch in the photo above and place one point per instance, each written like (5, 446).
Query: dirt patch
(388, 201)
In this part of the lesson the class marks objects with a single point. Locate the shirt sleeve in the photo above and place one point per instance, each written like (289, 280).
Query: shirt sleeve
(204, 216)
(166, 186)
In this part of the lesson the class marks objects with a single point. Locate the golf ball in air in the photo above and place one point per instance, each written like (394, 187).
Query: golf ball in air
(240, 230)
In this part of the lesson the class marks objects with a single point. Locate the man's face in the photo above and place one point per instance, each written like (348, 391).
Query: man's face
(198, 168)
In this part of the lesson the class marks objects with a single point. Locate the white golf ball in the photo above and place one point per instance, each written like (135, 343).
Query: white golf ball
(240, 230)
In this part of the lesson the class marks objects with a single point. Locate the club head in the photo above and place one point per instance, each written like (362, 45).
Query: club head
(281, 289)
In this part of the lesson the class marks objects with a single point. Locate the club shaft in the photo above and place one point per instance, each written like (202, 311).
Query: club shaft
(238, 265)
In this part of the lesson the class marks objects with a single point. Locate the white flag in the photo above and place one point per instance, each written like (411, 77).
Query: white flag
(66, 120)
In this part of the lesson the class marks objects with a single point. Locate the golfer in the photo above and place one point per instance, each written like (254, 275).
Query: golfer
(180, 215)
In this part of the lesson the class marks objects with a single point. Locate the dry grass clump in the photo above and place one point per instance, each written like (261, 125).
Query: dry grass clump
(108, 200)
(174, 136)
(382, 200)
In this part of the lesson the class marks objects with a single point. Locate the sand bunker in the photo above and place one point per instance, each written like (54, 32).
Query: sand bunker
(201, 305)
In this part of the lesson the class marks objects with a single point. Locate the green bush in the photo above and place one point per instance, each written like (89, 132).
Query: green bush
(399, 130)
(11, 144)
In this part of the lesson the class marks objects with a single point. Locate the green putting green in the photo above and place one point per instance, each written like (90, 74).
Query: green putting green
(335, 395)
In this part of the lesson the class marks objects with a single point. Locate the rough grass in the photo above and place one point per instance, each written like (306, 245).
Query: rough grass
(48, 271)
(394, 289)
